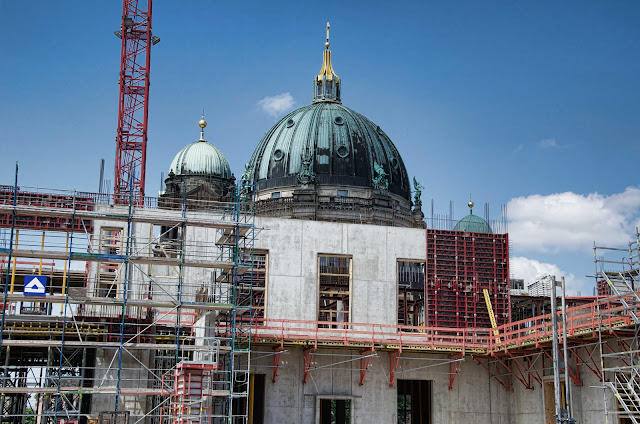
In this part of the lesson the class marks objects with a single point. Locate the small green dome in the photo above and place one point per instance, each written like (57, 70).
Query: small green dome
(202, 158)
(473, 224)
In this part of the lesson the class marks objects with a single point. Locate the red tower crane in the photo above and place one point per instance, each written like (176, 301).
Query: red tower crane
(133, 110)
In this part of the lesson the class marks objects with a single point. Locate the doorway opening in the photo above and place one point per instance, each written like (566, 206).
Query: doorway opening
(335, 411)
(414, 401)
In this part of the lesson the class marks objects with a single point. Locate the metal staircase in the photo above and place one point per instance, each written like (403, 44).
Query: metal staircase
(624, 378)
(621, 368)
(626, 389)
(624, 286)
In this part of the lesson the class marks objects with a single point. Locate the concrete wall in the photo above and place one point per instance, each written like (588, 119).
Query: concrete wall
(292, 293)
(294, 246)
(475, 398)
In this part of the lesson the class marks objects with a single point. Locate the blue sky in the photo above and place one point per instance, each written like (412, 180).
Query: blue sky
(531, 104)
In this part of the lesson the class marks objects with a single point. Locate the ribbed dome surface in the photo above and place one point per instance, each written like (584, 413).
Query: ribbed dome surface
(200, 157)
(473, 224)
(341, 144)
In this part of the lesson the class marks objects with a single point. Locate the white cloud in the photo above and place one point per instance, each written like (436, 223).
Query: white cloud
(570, 221)
(547, 143)
(530, 270)
(519, 148)
(551, 143)
(276, 105)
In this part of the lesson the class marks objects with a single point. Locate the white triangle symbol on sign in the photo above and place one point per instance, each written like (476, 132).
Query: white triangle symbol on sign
(34, 286)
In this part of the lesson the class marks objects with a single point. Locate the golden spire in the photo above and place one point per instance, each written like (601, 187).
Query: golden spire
(327, 83)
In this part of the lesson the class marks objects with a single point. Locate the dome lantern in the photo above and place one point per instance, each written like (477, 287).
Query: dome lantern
(326, 85)
(202, 124)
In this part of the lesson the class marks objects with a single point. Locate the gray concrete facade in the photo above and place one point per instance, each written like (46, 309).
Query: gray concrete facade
(476, 397)
(292, 248)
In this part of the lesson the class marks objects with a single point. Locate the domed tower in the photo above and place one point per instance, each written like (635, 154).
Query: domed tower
(200, 172)
(328, 162)
(472, 223)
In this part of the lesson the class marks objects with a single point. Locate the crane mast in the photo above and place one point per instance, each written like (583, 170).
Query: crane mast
(133, 108)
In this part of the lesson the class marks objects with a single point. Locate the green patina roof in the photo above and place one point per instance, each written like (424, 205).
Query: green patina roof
(473, 224)
(342, 145)
(200, 157)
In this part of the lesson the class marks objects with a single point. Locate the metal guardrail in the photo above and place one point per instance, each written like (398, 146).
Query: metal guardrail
(581, 320)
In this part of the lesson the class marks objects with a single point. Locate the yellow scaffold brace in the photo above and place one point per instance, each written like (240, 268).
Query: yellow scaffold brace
(492, 317)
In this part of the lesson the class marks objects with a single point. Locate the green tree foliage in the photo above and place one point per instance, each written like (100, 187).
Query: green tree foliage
(30, 417)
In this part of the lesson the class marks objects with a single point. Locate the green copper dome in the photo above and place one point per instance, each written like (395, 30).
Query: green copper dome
(202, 158)
(473, 224)
(329, 144)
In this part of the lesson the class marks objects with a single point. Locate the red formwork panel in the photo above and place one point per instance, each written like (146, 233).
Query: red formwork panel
(459, 266)
(46, 200)
(603, 288)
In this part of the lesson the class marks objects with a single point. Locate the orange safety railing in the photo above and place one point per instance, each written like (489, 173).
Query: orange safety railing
(581, 320)
(584, 319)
(358, 334)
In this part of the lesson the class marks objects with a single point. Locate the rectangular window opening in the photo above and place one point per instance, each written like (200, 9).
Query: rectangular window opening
(335, 411)
(334, 280)
(256, 399)
(411, 297)
(107, 278)
(414, 401)
(252, 285)
(166, 241)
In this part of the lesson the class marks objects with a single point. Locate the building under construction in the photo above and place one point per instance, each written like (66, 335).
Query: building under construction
(310, 291)
(250, 319)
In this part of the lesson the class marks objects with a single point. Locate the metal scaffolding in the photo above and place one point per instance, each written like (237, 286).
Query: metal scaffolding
(621, 367)
(149, 314)
(137, 318)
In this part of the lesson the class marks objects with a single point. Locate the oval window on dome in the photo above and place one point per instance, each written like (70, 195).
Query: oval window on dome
(394, 162)
(342, 151)
(278, 154)
(379, 131)
(290, 123)
(338, 120)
